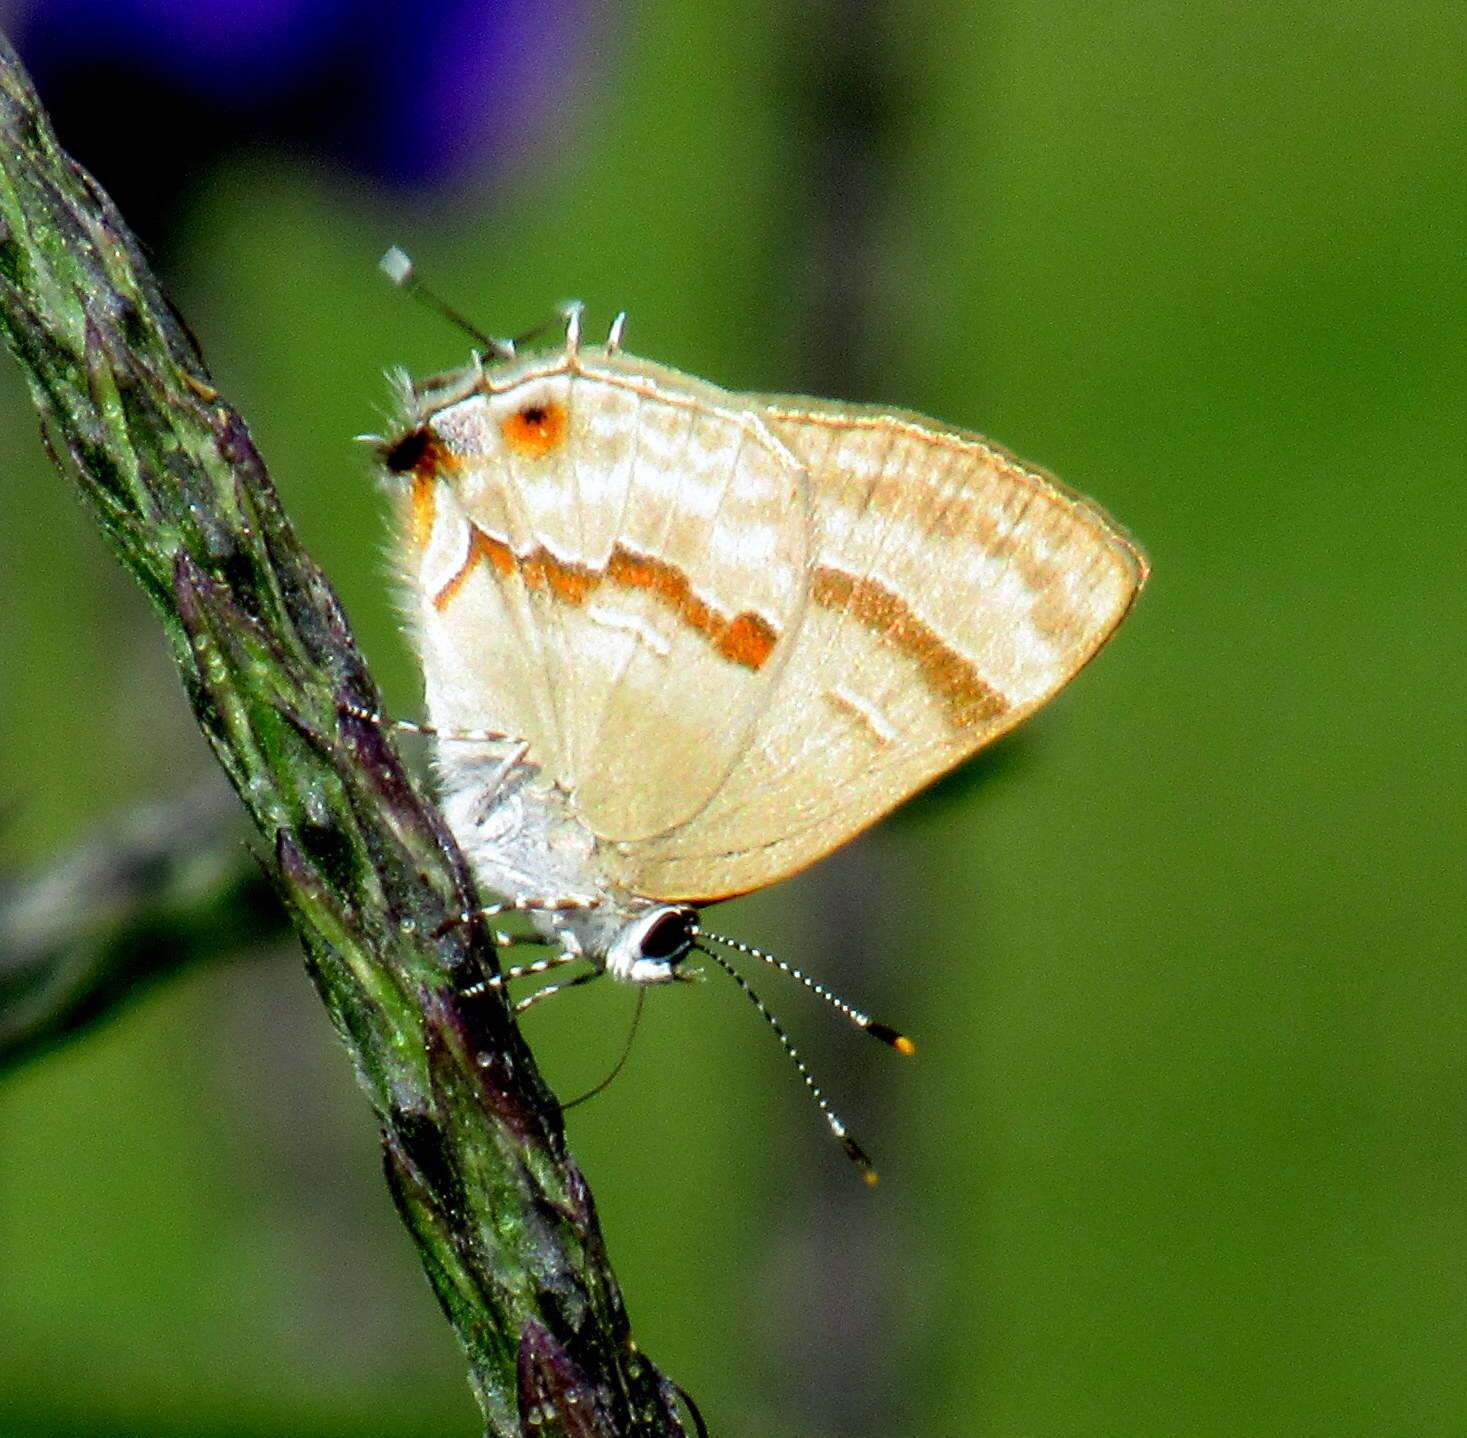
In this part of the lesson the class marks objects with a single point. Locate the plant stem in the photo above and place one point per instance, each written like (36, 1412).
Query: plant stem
(473, 1142)
(165, 887)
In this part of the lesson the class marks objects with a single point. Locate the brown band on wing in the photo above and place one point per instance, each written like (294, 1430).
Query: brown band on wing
(481, 546)
(1005, 522)
(746, 638)
(968, 697)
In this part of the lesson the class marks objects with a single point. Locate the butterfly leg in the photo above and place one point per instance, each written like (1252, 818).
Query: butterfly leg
(539, 904)
(409, 726)
(520, 971)
(529, 904)
(530, 1000)
(494, 781)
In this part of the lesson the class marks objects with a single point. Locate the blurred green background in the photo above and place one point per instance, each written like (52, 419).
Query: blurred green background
(1184, 1150)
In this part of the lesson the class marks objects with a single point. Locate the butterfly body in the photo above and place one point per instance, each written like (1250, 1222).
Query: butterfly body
(526, 845)
(679, 643)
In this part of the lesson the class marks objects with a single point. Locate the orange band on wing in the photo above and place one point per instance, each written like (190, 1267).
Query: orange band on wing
(969, 698)
(424, 508)
(746, 638)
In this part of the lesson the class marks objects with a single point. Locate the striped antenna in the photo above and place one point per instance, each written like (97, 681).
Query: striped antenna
(888, 1035)
(854, 1151)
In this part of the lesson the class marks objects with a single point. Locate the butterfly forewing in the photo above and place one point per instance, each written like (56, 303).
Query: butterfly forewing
(566, 596)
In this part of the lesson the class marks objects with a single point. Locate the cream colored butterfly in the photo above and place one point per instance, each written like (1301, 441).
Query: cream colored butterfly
(701, 639)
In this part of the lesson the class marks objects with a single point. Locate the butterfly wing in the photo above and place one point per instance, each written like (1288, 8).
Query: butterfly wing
(606, 561)
(951, 590)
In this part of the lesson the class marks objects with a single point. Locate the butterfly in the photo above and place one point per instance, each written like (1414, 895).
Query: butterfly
(680, 643)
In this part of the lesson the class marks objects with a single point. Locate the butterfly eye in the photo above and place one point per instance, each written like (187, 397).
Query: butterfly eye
(649, 949)
(409, 451)
(669, 937)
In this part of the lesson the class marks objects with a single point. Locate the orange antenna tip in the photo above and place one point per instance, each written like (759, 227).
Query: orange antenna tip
(861, 1159)
(900, 1042)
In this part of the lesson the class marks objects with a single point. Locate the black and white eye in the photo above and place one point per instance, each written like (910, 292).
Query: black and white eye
(668, 937)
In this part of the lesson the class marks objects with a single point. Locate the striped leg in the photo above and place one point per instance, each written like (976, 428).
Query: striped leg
(530, 1000)
(521, 971)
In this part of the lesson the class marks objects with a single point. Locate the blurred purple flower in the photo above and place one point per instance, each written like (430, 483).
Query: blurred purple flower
(404, 94)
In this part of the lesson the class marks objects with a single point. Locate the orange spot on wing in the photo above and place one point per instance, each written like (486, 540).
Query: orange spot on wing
(570, 582)
(747, 639)
(535, 429)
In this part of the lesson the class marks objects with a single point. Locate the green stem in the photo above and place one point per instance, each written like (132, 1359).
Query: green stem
(163, 888)
(473, 1142)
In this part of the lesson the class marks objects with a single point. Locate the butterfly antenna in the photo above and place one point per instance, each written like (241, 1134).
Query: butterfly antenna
(398, 268)
(854, 1151)
(555, 321)
(621, 1063)
(888, 1035)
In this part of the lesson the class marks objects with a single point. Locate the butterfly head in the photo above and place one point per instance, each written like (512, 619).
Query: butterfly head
(650, 948)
